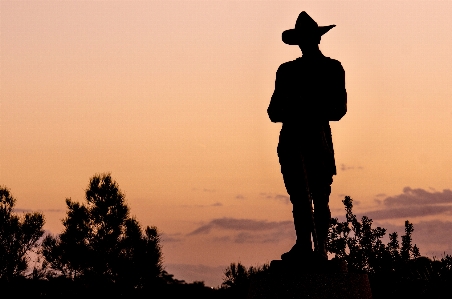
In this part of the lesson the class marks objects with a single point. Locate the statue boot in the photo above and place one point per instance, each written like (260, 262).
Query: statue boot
(322, 218)
(303, 223)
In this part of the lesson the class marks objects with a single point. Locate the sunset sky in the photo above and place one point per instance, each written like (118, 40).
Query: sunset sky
(170, 97)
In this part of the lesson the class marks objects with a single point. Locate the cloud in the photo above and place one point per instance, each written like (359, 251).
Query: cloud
(240, 196)
(269, 237)
(407, 212)
(217, 204)
(413, 203)
(246, 230)
(239, 224)
(280, 197)
(266, 195)
(22, 210)
(171, 238)
(40, 211)
(411, 197)
(345, 167)
(203, 190)
(222, 239)
(284, 198)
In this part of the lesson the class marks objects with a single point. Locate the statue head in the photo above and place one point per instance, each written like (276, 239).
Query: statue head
(306, 31)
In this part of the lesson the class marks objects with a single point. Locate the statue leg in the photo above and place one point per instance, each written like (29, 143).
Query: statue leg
(322, 218)
(300, 197)
(302, 215)
(295, 179)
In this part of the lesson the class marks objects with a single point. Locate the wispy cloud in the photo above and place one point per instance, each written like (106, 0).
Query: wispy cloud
(347, 167)
(239, 225)
(413, 203)
(274, 236)
(246, 230)
(283, 198)
(280, 197)
(216, 204)
(171, 238)
(266, 195)
(21, 210)
(422, 197)
(203, 190)
(407, 212)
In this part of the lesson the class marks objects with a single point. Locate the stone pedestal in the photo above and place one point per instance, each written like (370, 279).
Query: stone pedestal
(289, 281)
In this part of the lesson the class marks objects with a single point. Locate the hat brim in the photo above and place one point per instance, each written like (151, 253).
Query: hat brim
(296, 36)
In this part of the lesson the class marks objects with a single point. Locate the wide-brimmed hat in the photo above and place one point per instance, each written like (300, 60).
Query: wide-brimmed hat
(305, 28)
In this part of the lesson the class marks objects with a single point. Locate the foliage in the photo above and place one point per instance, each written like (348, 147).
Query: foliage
(235, 275)
(238, 275)
(102, 244)
(237, 279)
(18, 236)
(362, 246)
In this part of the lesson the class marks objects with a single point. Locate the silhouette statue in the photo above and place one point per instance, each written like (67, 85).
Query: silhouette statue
(309, 92)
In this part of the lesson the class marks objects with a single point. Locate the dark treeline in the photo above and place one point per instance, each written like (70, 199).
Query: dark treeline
(103, 251)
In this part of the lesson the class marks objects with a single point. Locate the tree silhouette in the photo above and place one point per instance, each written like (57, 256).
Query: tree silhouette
(102, 244)
(237, 277)
(18, 236)
(361, 245)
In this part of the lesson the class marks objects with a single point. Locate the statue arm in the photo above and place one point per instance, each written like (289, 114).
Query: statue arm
(338, 105)
(275, 109)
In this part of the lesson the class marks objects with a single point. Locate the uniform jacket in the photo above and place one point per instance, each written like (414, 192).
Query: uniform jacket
(309, 92)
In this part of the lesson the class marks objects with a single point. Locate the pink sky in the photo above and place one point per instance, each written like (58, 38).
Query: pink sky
(171, 98)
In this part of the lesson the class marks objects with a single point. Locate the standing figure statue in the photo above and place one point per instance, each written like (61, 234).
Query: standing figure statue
(309, 92)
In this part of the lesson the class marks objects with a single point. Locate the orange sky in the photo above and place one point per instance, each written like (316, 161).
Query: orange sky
(171, 98)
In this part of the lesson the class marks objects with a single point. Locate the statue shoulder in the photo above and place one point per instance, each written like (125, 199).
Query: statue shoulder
(288, 67)
(288, 64)
(333, 63)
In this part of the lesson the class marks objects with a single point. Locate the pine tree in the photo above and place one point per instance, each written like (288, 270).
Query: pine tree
(18, 236)
(101, 243)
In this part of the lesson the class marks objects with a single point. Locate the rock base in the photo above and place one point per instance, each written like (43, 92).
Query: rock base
(289, 281)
